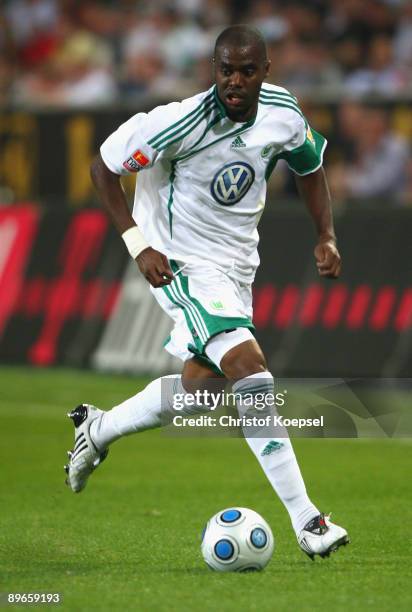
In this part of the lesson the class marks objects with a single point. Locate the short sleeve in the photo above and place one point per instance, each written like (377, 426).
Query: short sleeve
(307, 156)
(134, 145)
(126, 150)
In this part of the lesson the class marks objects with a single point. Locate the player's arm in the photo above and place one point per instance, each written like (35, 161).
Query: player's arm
(152, 264)
(313, 189)
(304, 155)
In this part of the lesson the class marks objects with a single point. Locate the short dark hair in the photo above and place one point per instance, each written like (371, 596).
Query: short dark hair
(241, 36)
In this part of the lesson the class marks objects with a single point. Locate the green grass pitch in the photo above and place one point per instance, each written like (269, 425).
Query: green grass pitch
(131, 540)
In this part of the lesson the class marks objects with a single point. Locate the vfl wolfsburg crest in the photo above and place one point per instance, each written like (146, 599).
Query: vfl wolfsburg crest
(269, 150)
(232, 182)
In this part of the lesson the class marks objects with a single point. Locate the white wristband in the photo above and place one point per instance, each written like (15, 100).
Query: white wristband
(134, 241)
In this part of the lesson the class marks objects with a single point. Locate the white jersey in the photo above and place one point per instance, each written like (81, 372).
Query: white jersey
(202, 186)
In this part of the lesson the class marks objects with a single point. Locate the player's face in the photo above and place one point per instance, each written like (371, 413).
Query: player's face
(239, 74)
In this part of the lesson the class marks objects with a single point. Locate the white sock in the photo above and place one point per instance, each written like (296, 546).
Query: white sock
(147, 409)
(275, 453)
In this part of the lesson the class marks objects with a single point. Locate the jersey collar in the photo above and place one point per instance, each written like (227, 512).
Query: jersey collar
(220, 105)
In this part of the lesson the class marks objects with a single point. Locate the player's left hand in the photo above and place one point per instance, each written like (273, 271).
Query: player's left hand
(328, 259)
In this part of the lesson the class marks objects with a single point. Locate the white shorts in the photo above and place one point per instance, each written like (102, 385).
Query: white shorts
(203, 302)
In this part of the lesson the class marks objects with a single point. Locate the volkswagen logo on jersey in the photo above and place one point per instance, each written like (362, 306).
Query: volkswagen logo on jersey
(232, 182)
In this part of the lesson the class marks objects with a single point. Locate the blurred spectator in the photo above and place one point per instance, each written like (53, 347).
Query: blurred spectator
(77, 74)
(141, 72)
(360, 20)
(7, 70)
(39, 87)
(184, 44)
(350, 115)
(303, 19)
(379, 168)
(402, 43)
(381, 75)
(163, 47)
(273, 26)
(306, 66)
(349, 53)
(72, 53)
(29, 18)
(101, 18)
(86, 62)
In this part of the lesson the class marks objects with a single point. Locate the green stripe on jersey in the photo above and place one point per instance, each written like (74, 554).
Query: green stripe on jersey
(240, 130)
(276, 98)
(274, 102)
(181, 124)
(279, 98)
(209, 126)
(281, 94)
(180, 133)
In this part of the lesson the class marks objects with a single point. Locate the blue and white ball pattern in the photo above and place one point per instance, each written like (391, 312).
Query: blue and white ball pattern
(237, 540)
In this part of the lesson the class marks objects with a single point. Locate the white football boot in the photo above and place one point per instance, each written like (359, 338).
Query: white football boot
(321, 537)
(85, 456)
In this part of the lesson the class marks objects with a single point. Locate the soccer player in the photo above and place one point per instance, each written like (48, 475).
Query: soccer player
(203, 164)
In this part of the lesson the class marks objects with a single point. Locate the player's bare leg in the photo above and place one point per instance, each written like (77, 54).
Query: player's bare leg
(195, 375)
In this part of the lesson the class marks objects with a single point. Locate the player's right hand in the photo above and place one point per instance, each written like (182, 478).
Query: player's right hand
(155, 267)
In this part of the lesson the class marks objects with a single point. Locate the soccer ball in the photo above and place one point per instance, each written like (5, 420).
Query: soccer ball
(237, 540)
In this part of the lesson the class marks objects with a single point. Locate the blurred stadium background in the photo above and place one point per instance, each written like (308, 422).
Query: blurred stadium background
(71, 71)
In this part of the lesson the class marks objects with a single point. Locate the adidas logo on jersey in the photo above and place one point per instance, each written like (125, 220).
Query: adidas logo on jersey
(237, 143)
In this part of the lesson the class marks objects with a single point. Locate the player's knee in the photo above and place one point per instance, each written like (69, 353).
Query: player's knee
(238, 366)
(236, 353)
(243, 360)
